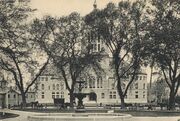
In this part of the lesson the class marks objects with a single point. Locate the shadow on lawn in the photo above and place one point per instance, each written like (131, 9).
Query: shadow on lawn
(8, 115)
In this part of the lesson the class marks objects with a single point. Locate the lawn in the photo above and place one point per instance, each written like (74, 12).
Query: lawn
(7, 115)
(136, 113)
(145, 113)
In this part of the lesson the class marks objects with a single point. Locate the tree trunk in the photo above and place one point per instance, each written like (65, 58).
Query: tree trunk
(171, 100)
(71, 99)
(23, 104)
(122, 102)
(120, 92)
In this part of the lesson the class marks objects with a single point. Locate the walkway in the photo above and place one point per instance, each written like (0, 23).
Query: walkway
(23, 117)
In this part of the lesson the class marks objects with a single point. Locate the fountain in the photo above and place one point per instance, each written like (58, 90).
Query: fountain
(80, 96)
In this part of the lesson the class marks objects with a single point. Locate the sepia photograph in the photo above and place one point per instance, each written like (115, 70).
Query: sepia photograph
(89, 60)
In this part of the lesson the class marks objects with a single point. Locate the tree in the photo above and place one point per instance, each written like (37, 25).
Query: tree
(164, 44)
(16, 49)
(70, 49)
(122, 30)
(158, 89)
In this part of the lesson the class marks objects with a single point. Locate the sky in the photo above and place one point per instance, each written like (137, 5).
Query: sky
(65, 7)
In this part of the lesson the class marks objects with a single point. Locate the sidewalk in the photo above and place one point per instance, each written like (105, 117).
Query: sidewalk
(23, 117)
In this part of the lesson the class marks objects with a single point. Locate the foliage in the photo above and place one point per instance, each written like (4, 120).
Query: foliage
(164, 44)
(16, 49)
(122, 29)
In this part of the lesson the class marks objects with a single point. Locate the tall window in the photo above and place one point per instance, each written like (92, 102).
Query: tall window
(42, 95)
(144, 86)
(53, 95)
(42, 78)
(110, 95)
(62, 85)
(136, 94)
(144, 94)
(114, 95)
(136, 85)
(102, 95)
(62, 94)
(42, 86)
(53, 86)
(46, 78)
(140, 77)
(144, 77)
(98, 83)
(92, 82)
(57, 86)
(57, 94)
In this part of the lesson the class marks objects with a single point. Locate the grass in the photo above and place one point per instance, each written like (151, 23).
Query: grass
(136, 113)
(7, 115)
(145, 113)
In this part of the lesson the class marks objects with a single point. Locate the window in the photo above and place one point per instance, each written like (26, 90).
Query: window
(42, 95)
(57, 94)
(8, 95)
(42, 86)
(42, 78)
(102, 95)
(92, 82)
(136, 85)
(46, 78)
(62, 85)
(114, 95)
(31, 96)
(144, 94)
(53, 95)
(136, 77)
(57, 86)
(110, 95)
(62, 94)
(53, 86)
(49, 87)
(136, 94)
(144, 86)
(99, 82)
(14, 96)
(140, 77)
(144, 77)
